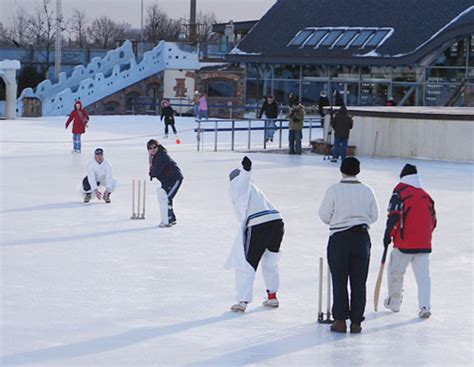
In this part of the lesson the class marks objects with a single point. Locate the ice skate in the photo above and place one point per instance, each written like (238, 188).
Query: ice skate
(239, 307)
(392, 304)
(87, 197)
(424, 313)
(165, 225)
(271, 300)
(165, 136)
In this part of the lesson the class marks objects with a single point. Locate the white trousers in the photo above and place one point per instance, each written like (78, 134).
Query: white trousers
(271, 275)
(111, 188)
(397, 267)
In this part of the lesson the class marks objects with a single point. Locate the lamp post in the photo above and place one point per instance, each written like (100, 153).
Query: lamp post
(57, 46)
(192, 22)
(141, 32)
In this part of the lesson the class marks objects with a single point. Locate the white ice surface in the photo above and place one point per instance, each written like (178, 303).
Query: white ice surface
(83, 285)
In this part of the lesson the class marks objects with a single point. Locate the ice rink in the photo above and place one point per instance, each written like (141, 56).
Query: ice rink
(83, 285)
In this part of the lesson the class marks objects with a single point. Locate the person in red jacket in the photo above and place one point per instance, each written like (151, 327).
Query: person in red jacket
(410, 223)
(80, 119)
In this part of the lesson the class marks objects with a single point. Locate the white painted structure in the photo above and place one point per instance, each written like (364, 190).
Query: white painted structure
(8, 70)
(444, 133)
(103, 77)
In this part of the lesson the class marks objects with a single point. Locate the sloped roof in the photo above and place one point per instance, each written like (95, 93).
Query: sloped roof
(419, 26)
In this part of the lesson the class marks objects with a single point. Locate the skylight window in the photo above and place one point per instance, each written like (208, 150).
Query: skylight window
(361, 38)
(345, 39)
(315, 38)
(330, 38)
(300, 37)
(376, 38)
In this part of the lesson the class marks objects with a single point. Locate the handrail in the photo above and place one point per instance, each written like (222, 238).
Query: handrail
(309, 123)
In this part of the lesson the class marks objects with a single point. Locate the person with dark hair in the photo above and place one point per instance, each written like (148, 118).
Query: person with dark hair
(168, 113)
(270, 108)
(258, 239)
(80, 120)
(342, 123)
(411, 221)
(349, 207)
(165, 170)
(296, 120)
(99, 174)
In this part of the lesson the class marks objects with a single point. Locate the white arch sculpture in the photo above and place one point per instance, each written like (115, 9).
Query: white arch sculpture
(8, 70)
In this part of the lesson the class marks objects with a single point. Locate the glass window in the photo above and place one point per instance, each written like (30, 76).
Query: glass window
(310, 91)
(282, 88)
(471, 51)
(251, 70)
(361, 38)
(300, 37)
(405, 94)
(287, 71)
(315, 38)
(330, 38)
(376, 72)
(454, 55)
(344, 72)
(404, 74)
(437, 94)
(222, 88)
(445, 75)
(373, 94)
(345, 39)
(315, 71)
(376, 38)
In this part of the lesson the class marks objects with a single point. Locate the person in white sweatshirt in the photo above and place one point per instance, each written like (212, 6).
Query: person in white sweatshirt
(349, 207)
(98, 173)
(258, 239)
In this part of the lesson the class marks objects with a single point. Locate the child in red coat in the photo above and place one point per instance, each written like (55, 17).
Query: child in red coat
(80, 118)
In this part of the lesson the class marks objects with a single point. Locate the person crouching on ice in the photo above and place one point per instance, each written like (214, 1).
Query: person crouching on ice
(99, 173)
(165, 170)
(259, 238)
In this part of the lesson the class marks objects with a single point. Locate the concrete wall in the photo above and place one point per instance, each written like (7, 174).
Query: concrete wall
(423, 137)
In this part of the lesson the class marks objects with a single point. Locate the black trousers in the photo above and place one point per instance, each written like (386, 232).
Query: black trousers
(86, 185)
(348, 255)
(171, 191)
(172, 126)
(261, 237)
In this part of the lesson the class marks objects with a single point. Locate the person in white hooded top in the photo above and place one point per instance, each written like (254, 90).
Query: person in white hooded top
(258, 239)
(99, 173)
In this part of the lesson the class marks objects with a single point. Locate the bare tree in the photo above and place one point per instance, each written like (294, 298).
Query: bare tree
(205, 20)
(158, 26)
(78, 25)
(18, 27)
(103, 31)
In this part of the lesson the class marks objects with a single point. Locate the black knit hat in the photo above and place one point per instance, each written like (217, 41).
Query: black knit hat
(350, 166)
(409, 169)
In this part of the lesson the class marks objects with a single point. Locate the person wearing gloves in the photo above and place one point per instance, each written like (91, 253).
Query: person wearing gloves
(411, 222)
(258, 239)
(80, 119)
(165, 170)
(99, 173)
(168, 113)
(349, 207)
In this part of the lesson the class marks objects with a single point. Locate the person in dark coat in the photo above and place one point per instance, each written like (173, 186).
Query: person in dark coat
(165, 170)
(270, 108)
(168, 113)
(341, 123)
(323, 102)
(338, 100)
(80, 118)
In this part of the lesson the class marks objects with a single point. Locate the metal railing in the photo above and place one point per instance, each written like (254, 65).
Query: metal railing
(230, 125)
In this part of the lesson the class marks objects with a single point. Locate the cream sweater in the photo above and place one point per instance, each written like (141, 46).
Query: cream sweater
(348, 203)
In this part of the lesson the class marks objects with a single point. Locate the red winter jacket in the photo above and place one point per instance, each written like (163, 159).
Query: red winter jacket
(411, 219)
(80, 118)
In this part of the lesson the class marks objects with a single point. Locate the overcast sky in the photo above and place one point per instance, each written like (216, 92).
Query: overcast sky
(129, 10)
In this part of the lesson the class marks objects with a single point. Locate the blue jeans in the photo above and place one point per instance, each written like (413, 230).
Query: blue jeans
(203, 114)
(270, 126)
(294, 138)
(340, 148)
(348, 255)
(76, 141)
(196, 111)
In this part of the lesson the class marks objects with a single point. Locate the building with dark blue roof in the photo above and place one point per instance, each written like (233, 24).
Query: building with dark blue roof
(416, 52)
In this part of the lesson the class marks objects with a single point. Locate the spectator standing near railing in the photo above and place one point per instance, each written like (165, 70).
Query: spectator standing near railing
(295, 133)
(203, 108)
(270, 108)
(197, 95)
